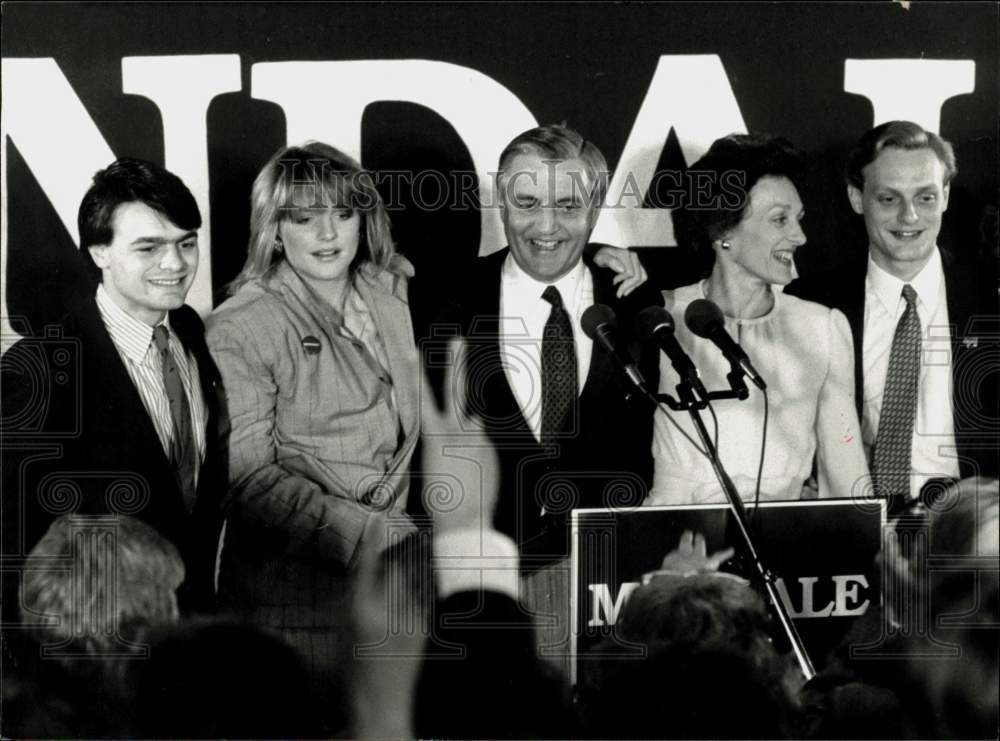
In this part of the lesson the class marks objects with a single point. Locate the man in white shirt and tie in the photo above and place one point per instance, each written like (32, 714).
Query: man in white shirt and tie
(926, 387)
(567, 429)
(130, 398)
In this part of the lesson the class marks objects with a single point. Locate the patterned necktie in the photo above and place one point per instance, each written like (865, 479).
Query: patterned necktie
(559, 379)
(183, 454)
(894, 440)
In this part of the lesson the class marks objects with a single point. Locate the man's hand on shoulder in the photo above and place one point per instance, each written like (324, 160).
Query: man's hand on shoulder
(630, 274)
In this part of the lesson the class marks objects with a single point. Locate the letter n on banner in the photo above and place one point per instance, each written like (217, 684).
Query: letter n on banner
(57, 138)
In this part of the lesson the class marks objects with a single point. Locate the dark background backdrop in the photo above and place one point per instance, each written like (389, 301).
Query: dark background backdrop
(587, 64)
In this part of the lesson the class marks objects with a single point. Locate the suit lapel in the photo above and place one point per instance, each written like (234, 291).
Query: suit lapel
(122, 432)
(121, 400)
(601, 369)
(394, 325)
(483, 313)
(191, 333)
(962, 297)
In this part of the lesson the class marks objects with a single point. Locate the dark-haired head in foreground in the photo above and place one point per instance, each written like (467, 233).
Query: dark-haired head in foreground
(139, 237)
(709, 669)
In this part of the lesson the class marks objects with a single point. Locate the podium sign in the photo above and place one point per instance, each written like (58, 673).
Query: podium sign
(822, 552)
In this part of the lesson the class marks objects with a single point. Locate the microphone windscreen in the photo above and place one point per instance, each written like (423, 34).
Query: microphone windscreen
(651, 319)
(596, 316)
(703, 317)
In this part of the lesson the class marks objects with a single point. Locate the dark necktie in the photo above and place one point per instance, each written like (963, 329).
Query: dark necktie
(183, 453)
(559, 379)
(894, 440)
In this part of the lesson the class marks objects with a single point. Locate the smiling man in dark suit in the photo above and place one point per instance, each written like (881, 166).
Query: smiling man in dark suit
(568, 428)
(113, 410)
(923, 320)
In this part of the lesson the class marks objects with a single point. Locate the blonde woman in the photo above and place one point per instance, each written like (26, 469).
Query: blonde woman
(316, 351)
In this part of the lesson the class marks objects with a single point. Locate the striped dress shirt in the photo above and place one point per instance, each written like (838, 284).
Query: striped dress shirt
(134, 341)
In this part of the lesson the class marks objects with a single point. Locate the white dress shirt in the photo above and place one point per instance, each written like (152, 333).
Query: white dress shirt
(134, 341)
(934, 452)
(523, 314)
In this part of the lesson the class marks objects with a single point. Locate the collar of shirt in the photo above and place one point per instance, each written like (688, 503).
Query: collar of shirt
(889, 289)
(285, 274)
(131, 336)
(357, 317)
(521, 291)
(354, 302)
(355, 323)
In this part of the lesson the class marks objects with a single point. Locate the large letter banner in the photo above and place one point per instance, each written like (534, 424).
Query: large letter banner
(823, 553)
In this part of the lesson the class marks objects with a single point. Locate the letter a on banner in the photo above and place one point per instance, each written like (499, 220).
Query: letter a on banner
(691, 94)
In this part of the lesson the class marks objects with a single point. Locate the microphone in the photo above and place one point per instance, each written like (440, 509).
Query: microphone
(655, 323)
(600, 324)
(704, 319)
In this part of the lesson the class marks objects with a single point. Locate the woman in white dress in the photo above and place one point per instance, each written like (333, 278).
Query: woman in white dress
(803, 350)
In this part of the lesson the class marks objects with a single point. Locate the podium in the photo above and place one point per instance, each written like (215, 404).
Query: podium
(822, 551)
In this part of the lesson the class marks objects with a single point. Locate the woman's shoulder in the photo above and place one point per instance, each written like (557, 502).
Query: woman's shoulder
(677, 299)
(814, 321)
(802, 310)
(393, 278)
(252, 304)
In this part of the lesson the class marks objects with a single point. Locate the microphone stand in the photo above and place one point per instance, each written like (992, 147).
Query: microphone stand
(689, 403)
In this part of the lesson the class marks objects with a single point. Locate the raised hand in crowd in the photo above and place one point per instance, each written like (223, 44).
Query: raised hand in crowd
(390, 621)
(459, 464)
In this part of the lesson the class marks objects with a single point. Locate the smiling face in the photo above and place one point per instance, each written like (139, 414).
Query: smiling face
(320, 243)
(150, 263)
(903, 200)
(764, 242)
(546, 214)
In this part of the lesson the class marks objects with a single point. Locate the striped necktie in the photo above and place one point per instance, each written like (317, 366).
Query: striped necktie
(183, 454)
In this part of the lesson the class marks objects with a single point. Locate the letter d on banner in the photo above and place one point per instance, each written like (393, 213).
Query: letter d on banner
(484, 113)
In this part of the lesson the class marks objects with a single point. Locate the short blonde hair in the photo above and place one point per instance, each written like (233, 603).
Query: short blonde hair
(338, 181)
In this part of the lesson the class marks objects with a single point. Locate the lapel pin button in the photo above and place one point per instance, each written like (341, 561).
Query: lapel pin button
(310, 344)
(971, 342)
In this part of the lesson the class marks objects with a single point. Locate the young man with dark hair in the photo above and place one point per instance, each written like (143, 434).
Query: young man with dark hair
(113, 410)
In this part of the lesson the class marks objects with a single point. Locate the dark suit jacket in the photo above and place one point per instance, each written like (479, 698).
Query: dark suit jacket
(76, 437)
(973, 314)
(607, 461)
